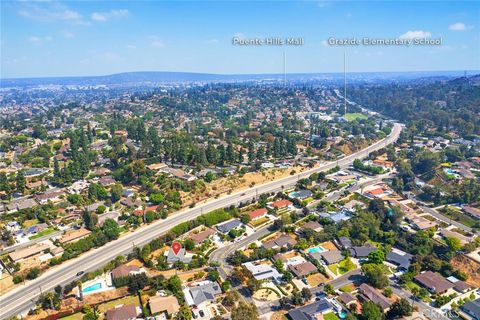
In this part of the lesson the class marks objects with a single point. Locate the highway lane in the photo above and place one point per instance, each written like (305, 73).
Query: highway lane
(21, 299)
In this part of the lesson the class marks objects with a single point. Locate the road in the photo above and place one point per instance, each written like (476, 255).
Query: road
(443, 218)
(220, 255)
(422, 307)
(440, 216)
(21, 299)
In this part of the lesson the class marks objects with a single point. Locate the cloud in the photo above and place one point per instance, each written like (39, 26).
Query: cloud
(50, 12)
(459, 26)
(325, 43)
(105, 16)
(324, 4)
(156, 42)
(39, 40)
(212, 41)
(67, 34)
(131, 46)
(417, 34)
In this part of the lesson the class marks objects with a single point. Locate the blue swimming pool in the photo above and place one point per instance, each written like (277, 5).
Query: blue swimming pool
(93, 287)
(316, 249)
(342, 314)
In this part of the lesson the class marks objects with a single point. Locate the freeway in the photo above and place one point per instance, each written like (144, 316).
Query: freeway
(22, 298)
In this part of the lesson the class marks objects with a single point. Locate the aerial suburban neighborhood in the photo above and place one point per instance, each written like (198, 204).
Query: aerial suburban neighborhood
(327, 167)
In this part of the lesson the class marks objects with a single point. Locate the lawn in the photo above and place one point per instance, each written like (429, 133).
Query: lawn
(459, 216)
(42, 233)
(333, 268)
(354, 116)
(259, 222)
(75, 316)
(348, 287)
(29, 223)
(330, 316)
(345, 265)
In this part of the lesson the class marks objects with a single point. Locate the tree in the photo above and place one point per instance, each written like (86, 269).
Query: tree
(110, 229)
(329, 289)
(453, 243)
(189, 244)
(184, 313)
(371, 311)
(213, 275)
(89, 313)
(388, 292)
(137, 282)
(245, 311)
(90, 219)
(157, 198)
(116, 192)
(376, 257)
(306, 294)
(375, 275)
(20, 179)
(33, 273)
(400, 309)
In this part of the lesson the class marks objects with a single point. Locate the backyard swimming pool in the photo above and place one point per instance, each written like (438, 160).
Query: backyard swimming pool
(93, 287)
(316, 249)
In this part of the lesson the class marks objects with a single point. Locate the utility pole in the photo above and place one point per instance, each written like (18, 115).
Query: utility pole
(345, 83)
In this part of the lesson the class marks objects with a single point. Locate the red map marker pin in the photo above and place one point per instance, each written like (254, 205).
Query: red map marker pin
(176, 247)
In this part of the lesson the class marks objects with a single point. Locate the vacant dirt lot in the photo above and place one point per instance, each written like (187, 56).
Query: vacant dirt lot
(470, 267)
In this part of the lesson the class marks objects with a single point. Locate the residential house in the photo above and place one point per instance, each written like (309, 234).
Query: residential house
(106, 181)
(125, 312)
(281, 204)
(205, 292)
(352, 205)
(336, 217)
(312, 225)
(201, 236)
(311, 311)
(177, 173)
(257, 214)
(74, 235)
(225, 227)
(261, 270)
(328, 257)
(445, 233)
(168, 305)
(181, 256)
(284, 241)
(362, 251)
(301, 194)
(472, 211)
(399, 258)
(51, 195)
(433, 282)
(123, 271)
(369, 293)
(303, 269)
(344, 243)
(347, 299)
(21, 204)
(472, 309)
(22, 254)
(459, 285)
(78, 187)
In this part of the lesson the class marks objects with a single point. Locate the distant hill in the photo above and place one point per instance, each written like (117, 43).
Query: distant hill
(158, 77)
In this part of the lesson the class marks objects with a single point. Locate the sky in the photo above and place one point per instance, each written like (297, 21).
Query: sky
(81, 38)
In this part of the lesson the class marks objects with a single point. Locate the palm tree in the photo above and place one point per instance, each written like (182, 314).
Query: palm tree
(78, 283)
